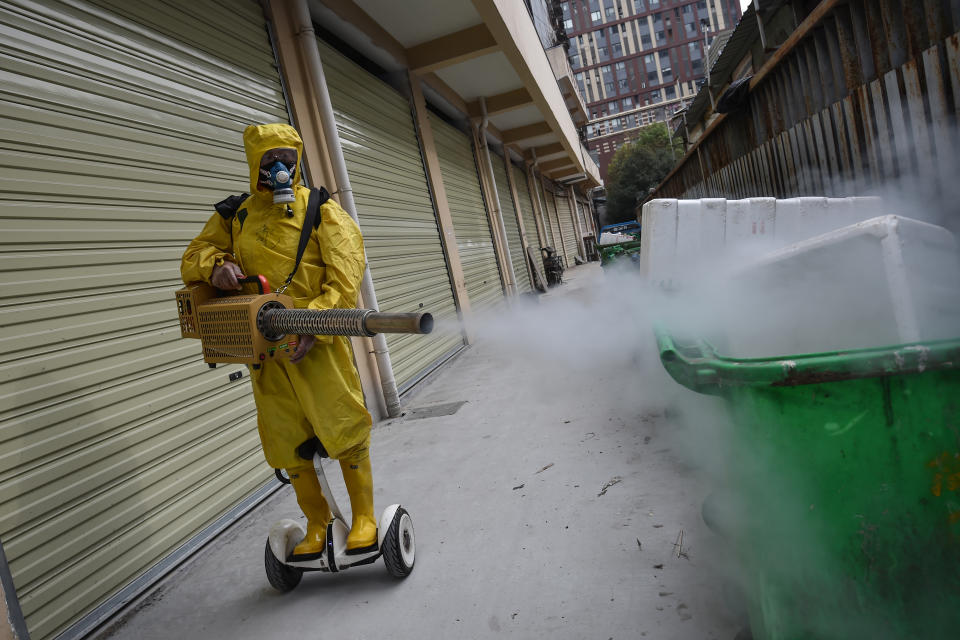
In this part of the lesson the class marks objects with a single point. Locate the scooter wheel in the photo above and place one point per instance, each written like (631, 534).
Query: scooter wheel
(283, 578)
(399, 545)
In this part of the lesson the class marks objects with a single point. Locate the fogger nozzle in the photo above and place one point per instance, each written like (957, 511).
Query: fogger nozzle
(277, 322)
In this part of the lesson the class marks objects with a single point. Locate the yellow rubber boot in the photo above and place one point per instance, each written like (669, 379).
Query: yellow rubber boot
(359, 480)
(314, 506)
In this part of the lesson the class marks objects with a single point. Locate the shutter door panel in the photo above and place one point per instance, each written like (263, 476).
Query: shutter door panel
(556, 240)
(566, 226)
(113, 428)
(470, 222)
(526, 206)
(395, 211)
(511, 225)
(584, 212)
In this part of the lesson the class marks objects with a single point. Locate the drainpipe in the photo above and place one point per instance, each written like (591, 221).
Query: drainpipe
(512, 284)
(307, 41)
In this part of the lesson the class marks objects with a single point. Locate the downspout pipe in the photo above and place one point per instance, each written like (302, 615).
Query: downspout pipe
(307, 41)
(512, 284)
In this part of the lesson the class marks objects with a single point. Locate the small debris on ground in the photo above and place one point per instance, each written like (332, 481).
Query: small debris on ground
(658, 526)
(678, 545)
(514, 615)
(519, 486)
(639, 544)
(664, 594)
(612, 481)
(544, 468)
(658, 566)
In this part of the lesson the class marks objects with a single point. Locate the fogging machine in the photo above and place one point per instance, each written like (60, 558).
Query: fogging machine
(253, 329)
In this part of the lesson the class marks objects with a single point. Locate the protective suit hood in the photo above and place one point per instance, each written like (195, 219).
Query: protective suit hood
(260, 138)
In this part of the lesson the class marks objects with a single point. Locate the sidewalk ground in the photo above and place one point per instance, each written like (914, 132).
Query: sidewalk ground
(548, 505)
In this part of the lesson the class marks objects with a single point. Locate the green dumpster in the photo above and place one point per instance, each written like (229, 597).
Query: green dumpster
(842, 486)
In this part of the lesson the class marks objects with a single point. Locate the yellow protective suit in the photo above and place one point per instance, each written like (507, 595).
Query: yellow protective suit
(321, 394)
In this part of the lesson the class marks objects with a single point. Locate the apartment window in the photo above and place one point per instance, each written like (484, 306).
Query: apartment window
(671, 92)
(639, 6)
(610, 9)
(653, 4)
(616, 49)
(658, 27)
(666, 68)
(613, 108)
(627, 103)
(568, 24)
(595, 17)
(603, 53)
(644, 28)
(688, 9)
(622, 82)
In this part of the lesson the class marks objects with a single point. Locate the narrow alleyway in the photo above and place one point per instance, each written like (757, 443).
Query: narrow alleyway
(547, 502)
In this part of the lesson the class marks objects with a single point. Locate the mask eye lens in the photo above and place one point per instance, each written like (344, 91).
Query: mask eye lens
(287, 156)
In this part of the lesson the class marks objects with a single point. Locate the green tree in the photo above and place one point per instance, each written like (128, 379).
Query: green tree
(638, 166)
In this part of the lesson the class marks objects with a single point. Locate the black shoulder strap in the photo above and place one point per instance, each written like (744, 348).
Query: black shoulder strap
(227, 208)
(311, 221)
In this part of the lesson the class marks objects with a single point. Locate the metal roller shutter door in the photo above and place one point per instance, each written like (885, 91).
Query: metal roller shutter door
(526, 207)
(395, 211)
(583, 210)
(470, 222)
(556, 239)
(570, 245)
(117, 444)
(510, 223)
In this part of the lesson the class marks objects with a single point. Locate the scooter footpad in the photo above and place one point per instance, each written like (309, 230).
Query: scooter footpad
(361, 550)
(303, 557)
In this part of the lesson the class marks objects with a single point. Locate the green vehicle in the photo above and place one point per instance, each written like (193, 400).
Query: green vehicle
(841, 498)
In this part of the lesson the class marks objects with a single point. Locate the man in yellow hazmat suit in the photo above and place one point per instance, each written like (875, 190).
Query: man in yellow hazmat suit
(317, 392)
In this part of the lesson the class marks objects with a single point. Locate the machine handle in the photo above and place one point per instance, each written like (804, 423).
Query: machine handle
(260, 280)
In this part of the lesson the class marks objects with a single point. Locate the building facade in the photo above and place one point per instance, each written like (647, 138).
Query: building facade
(450, 141)
(638, 61)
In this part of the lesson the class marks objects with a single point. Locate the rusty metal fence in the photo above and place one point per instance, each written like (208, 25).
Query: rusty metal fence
(862, 91)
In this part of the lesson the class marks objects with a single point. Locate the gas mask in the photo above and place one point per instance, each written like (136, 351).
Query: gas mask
(279, 178)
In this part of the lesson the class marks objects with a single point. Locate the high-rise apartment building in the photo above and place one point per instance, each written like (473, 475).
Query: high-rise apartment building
(638, 61)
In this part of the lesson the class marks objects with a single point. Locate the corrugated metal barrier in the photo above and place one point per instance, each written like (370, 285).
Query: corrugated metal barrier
(860, 92)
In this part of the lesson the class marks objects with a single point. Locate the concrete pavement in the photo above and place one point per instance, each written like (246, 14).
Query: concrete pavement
(547, 503)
